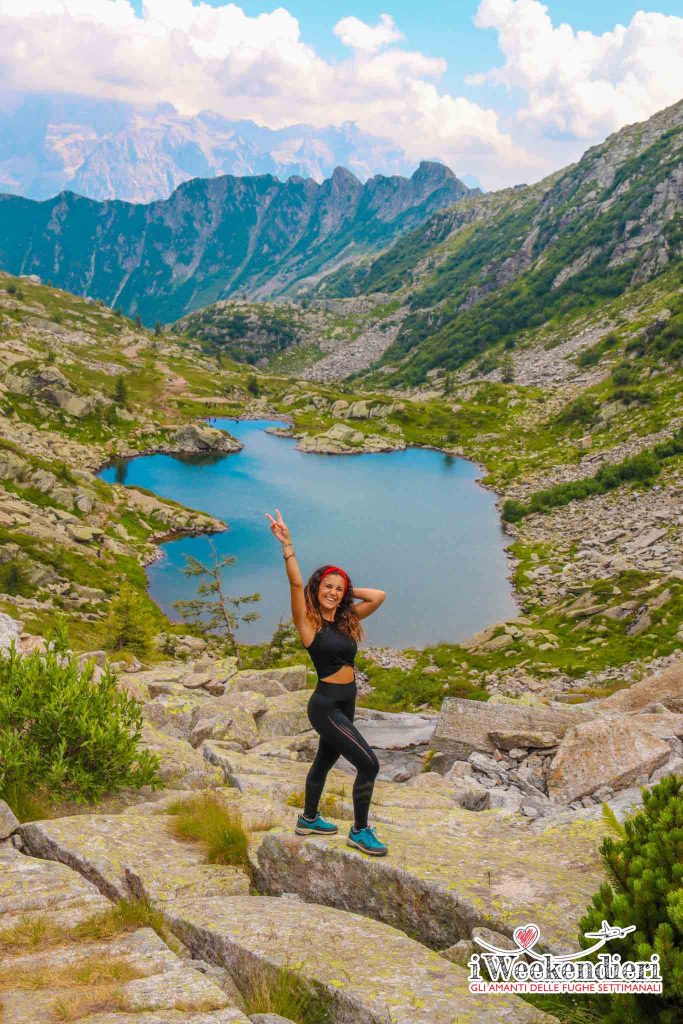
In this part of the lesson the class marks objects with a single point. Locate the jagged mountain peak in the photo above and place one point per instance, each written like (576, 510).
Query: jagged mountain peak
(213, 237)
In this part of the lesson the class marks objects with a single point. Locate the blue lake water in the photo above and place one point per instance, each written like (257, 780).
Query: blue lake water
(413, 523)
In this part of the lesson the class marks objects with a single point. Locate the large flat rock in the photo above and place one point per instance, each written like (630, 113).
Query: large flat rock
(662, 688)
(465, 725)
(132, 856)
(157, 980)
(181, 767)
(369, 972)
(606, 752)
(286, 715)
(446, 873)
(398, 730)
(32, 887)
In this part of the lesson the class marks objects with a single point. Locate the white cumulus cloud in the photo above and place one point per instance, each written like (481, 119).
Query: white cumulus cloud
(578, 84)
(200, 57)
(359, 36)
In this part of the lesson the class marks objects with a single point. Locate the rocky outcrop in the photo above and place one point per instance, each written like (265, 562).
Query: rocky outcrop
(10, 630)
(43, 888)
(8, 821)
(126, 859)
(664, 688)
(340, 439)
(200, 438)
(537, 759)
(181, 766)
(605, 753)
(149, 982)
(374, 968)
(466, 726)
(48, 384)
(475, 869)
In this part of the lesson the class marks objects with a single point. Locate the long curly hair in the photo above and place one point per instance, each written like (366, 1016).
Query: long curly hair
(345, 618)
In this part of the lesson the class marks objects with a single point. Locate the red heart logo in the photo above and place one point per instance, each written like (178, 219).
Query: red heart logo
(526, 937)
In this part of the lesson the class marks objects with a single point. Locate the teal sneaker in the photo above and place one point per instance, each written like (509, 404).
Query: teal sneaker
(367, 841)
(318, 827)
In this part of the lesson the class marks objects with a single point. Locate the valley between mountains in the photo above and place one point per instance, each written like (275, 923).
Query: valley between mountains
(537, 331)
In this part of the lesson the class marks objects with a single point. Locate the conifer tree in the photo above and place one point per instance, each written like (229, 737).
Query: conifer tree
(214, 611)
(120, 391)
(129, 625)
(644, 863)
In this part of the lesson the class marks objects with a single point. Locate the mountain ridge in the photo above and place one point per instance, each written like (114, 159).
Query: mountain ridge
(107, 150)
(214, 237)
(490, 267)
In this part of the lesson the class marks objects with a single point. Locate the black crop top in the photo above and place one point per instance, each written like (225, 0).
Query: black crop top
(331, 649)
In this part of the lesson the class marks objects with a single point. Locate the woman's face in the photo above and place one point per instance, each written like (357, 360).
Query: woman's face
(330, 592)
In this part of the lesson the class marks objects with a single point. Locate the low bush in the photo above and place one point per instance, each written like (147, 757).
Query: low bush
(582, 410)
(64, 736)
(644, 864)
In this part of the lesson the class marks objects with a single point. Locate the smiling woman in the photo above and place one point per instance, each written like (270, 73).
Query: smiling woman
(328, 623)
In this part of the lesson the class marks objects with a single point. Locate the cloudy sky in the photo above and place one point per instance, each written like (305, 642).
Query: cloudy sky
(506, 90)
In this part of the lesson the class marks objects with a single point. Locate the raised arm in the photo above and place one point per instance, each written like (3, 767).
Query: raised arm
(370, 600)
(296, 584)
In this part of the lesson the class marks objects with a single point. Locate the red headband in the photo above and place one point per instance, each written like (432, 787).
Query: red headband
(340, 572)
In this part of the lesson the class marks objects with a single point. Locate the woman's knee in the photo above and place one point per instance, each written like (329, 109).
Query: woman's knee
(373, 765)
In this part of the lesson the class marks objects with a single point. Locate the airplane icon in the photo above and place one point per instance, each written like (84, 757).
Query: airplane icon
(608, 931)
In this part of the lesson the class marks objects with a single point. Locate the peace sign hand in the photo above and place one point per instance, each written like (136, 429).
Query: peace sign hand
(278, 528)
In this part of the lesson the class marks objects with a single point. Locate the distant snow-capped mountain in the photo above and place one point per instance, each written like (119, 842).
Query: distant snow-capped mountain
(107, 150)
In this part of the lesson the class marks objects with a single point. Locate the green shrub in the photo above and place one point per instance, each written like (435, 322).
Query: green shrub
(513, 511)
(13, 579)
(582, 410)
(644, 862)
(624, 374)
(121, 391)
(65, 736)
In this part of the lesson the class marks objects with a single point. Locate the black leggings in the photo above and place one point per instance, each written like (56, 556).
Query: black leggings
(331, 710)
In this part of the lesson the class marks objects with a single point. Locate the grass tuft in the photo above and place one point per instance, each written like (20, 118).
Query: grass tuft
(205, 819)
(124, 916)
(98, 999)
(93, 972)
(32, 932)
(27, 802)
(36, 932)
(287, 996)
(330, 804)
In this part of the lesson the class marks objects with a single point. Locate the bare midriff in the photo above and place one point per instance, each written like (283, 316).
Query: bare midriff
(343, 675)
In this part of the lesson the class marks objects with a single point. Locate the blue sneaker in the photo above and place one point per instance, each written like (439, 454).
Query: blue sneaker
(318, 827)
(366, 840)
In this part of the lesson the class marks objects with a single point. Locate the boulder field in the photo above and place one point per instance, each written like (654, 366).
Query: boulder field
(373, 939)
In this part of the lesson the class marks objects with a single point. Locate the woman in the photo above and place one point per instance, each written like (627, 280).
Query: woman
(328, 623)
